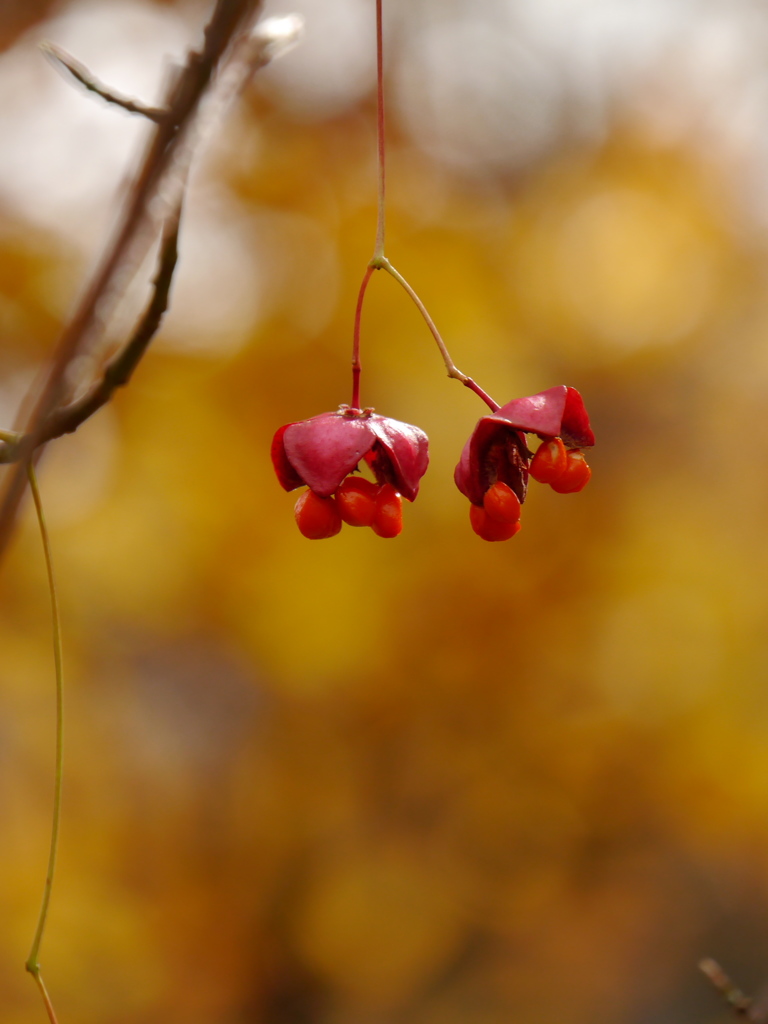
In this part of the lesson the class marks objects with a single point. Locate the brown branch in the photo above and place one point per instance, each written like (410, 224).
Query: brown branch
(119, 369)
(61, 59)
(158, 187)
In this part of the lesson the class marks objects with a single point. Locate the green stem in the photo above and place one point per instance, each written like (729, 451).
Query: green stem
(33, 964)
(383, 263)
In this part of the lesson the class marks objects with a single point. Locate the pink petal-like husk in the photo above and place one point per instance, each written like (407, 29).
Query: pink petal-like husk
(324, 449)
(465, 480)
(539, 414)
(556, 412)
(406, 450)
(477, 469)
(576, 431)
(286, 474)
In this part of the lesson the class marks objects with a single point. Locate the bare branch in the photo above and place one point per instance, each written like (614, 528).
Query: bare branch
(157, 190)
(61, 59)
(119, 369)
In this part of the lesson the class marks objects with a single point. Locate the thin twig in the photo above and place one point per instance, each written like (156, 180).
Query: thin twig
(61, 59)
(741, 1004)
(119, 369)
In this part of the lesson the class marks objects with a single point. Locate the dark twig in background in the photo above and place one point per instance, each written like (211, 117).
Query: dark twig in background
(741, 1004)
(61, 59)
(119, 369)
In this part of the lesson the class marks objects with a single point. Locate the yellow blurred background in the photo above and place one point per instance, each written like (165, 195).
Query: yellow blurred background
(429, 780)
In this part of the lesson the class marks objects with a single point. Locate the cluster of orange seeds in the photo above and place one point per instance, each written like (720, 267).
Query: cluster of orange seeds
(356, 502)
(564, 469)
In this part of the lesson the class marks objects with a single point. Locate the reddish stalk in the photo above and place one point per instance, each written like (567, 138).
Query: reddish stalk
(378, 252)
(356, 367)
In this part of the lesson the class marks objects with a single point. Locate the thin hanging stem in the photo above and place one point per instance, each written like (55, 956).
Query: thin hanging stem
(33, 964)
(378, 251)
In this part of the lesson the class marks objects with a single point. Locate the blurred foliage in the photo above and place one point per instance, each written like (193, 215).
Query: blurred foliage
(432, 779)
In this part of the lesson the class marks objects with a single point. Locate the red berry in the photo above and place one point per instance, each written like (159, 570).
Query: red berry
(549, 462)
(488, 528)
(388, 518)
(356, 501)
(501, 503)
(317, 517)
(575, 476)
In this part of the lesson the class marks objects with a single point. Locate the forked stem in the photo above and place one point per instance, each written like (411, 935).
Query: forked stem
(380, 261)
(33, 963)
